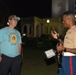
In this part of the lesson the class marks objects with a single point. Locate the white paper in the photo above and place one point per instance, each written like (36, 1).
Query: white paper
(50, 53)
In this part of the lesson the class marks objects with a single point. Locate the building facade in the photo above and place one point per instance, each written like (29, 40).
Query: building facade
(35, 26)
(60, 6)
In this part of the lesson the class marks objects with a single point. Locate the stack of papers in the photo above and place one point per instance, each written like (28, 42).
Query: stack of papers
(50, 53)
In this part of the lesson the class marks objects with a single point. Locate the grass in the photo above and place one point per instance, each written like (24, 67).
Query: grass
(34, 63)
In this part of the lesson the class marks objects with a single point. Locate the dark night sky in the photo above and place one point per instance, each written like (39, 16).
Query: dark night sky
(29, 8)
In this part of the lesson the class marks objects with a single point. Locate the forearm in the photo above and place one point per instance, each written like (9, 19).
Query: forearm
(71, 50)
(19, 48)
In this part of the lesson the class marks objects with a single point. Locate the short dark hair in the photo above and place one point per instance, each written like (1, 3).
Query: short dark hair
(68, 13)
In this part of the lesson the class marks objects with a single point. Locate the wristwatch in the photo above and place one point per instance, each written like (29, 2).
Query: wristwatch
(64, 49)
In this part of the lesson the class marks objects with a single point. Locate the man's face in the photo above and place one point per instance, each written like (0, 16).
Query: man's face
(13, 22)
(65, 21)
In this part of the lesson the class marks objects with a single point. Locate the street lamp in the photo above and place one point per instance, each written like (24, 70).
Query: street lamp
(48, 28)
(48, 21)
(24, 34)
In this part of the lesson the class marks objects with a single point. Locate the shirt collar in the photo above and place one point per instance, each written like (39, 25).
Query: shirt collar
(70, 30)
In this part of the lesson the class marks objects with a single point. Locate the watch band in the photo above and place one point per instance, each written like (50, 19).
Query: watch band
(64, 49)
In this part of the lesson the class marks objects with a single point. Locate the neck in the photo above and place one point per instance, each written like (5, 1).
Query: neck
(71, 25)
(11, 27)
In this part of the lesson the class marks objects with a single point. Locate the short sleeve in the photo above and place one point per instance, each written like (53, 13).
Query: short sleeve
(0, 35)
(74, 40)
(19, 38)
(0, 40)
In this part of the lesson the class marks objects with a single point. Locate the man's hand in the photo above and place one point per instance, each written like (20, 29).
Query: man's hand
(59, 47)
(54, 34)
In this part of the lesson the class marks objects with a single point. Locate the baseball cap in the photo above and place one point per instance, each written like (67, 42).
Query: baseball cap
(14, 17)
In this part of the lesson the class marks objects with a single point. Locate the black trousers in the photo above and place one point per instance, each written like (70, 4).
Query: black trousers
(10, 64)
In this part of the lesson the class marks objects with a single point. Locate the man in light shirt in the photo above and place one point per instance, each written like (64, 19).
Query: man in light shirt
(10, 48)
(68, 47)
